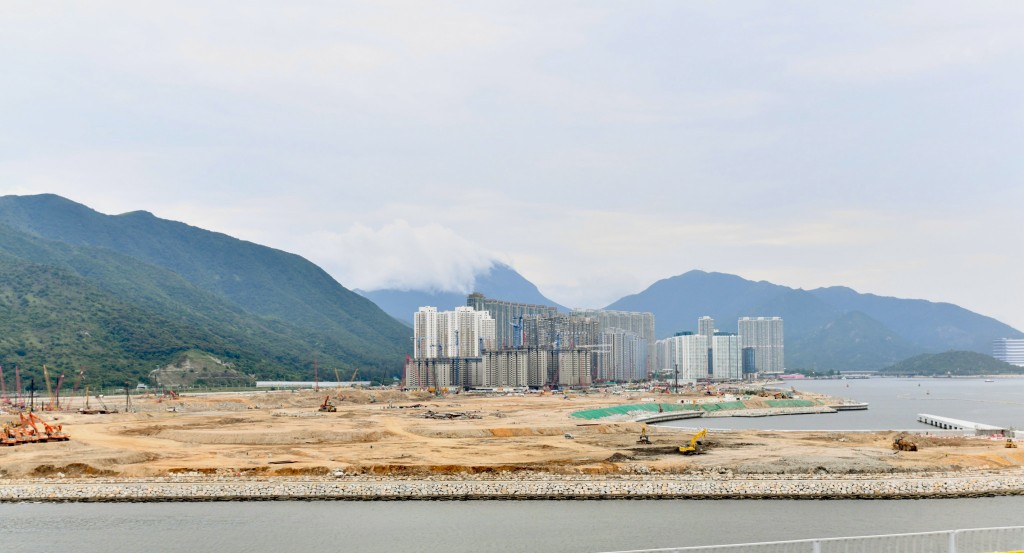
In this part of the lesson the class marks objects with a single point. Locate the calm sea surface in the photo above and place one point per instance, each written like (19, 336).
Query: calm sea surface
(556, 526)
(895, 404)
(473, 526)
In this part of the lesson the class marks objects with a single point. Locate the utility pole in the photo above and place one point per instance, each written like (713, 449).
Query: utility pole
(127, 398)
(32, 394)
(677, 378)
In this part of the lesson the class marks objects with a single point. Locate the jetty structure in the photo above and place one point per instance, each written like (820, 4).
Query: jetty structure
(947, 423)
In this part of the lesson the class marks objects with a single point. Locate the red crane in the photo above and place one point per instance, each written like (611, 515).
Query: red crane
(17, 387)
(3, 388)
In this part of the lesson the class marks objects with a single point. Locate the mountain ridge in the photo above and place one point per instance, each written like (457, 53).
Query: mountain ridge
(250, 290)
(889, 326)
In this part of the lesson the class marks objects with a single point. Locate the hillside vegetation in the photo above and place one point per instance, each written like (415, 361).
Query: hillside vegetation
(825, 329)
(953, 363)
(266, 312)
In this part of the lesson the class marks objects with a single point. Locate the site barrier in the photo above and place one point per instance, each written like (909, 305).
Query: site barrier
(979, 540)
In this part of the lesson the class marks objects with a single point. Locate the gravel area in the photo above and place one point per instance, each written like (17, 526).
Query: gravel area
(517, 486)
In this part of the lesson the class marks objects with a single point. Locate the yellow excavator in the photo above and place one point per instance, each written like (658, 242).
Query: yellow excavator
(694, 448)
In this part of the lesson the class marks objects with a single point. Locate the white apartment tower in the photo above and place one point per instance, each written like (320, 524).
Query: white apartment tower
(763, 337)
(1009, 350)
(460, 333)
(726, 358)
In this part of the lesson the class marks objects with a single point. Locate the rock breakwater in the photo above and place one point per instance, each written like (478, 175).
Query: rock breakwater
(516, 486)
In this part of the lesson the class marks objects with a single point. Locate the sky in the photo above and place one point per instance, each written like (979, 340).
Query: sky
(594, 146)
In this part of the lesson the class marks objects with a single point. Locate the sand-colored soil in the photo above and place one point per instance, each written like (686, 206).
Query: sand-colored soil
(281, 433)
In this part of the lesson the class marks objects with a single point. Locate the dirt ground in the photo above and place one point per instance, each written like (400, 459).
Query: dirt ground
(386, 432)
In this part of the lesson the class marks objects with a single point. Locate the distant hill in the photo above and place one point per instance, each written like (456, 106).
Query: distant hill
(954, 363)
(499, 281)
(827, 328)
(275, 309)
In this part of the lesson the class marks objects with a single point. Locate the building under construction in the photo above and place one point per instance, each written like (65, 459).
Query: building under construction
(508, 317)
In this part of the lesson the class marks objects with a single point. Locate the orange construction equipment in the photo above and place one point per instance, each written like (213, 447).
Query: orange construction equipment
(327, 406)
(55, 433)
(9, 435)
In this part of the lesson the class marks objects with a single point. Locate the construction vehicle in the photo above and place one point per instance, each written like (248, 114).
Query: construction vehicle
(327, 406)
(55, 433)
(9, 435)
(901, 443)
(1010, 444)
(695, 446)
(644, 439)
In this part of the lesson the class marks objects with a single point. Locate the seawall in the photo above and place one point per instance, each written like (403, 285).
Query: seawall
(515, 487)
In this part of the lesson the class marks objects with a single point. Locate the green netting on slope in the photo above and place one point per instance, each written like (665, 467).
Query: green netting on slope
(790, 403)
(591, 414)
(723, 405)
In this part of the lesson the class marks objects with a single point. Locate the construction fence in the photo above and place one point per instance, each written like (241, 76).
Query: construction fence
(980, 540)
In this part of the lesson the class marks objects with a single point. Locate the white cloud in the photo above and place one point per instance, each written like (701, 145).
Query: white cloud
(400, 256)
(598, 147)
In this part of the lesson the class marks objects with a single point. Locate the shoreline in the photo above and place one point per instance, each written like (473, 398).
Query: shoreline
(511, 487)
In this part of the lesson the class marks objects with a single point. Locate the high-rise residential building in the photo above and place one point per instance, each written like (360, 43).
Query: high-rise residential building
(764, 338)
(688, 353)
(574, 368)
(706, 328)
(443, 372)
(448, 346)
(560, 331)
(507, 316)
(639, 324)
(726, 357)
(1010, 350)
(463, 332)
(622, 356)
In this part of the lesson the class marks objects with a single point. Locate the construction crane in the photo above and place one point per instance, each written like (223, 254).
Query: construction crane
(49, 390)
(17, 387)
(517, 327)
(56, 394)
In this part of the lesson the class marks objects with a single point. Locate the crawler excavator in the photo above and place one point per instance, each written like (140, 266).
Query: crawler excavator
(55, 433)
(695, 447)
(327, 406)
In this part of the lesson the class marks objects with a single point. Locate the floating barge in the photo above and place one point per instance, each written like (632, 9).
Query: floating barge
(850, 406)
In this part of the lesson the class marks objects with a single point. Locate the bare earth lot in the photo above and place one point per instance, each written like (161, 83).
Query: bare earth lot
(281, 433)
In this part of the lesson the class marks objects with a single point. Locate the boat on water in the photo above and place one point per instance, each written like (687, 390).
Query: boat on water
(989, 380)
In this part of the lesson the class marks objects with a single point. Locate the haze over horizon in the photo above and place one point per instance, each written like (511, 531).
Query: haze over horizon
(594, 147)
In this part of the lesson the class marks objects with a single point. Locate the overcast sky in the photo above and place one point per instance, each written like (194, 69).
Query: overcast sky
(594, 146)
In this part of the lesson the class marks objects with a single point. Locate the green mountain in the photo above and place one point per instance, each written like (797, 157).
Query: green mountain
(267, 310)
(852, 339)
(953, 363)
(825, 329)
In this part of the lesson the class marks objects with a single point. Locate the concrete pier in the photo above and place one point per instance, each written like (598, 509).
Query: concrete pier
(969, 427)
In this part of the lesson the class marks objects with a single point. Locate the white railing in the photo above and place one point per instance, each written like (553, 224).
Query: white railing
(979, 540)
